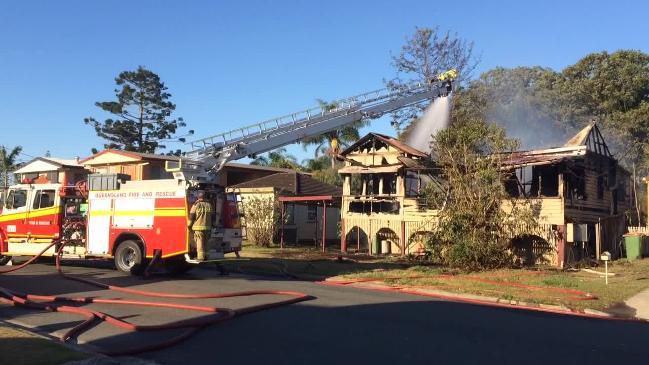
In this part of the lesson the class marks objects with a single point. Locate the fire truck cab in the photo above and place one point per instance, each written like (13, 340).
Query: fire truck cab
(30, 219)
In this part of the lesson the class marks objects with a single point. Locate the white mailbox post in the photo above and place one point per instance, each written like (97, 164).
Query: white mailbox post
(606, 257)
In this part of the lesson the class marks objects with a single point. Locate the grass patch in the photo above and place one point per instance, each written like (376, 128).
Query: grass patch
(21, 347)
(541, 285)
(548, 285)
(312, 263)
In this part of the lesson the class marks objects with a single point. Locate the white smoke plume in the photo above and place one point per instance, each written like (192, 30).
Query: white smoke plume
(533, 128)
(435, 117)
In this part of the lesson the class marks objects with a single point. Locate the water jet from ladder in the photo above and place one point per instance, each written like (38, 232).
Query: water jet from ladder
(435, 118)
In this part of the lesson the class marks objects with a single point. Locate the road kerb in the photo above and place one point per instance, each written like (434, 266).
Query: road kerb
(483, 300)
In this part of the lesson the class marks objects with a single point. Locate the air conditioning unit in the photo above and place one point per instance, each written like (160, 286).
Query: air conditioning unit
(576, 232)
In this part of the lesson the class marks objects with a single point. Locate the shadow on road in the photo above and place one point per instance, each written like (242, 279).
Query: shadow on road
(420, 331)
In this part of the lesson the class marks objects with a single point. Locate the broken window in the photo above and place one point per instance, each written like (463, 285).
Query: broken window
(369, 207)
(512, 187)
(375, 184)
(389, 184)
(356, 184)
(525, 178)
(576, 182)
(545, 181)
(413, 184)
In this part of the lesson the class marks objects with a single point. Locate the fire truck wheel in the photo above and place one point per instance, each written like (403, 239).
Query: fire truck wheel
(177, 265)
(4, 260)
(129, 257)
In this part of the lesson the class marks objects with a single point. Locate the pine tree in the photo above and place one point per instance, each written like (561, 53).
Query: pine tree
(142, 114)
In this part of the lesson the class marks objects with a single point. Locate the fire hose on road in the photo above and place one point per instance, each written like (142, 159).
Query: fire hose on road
(58, 304)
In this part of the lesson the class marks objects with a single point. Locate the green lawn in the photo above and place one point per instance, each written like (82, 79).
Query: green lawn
(541, 285)
(21, 347)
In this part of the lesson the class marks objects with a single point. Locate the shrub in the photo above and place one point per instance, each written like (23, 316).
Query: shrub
(262, 214)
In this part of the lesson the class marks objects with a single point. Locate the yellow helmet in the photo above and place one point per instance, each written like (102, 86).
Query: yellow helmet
(448, 75)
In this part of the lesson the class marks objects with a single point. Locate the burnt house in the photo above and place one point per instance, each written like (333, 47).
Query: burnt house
(582, 194)
(381, 208)
(578, 191)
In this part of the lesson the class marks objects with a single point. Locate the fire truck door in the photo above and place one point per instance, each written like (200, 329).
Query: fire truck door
(42, 218)
(14, 214)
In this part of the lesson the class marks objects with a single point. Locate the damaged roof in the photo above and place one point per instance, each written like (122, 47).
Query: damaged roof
(587, 139)
(391, 141)
(543, 157)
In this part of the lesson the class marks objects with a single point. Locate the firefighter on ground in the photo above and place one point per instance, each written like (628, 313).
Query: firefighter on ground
(200, 222)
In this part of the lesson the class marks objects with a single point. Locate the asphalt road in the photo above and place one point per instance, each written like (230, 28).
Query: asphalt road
(342, 325)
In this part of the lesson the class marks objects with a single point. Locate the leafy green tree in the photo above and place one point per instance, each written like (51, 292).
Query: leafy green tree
(331, 143)
(425, 55)
(474, 228)
(142, 114)
(612, 88)
(8, 163)
(277, 158)
(514, 99)
(316, 164)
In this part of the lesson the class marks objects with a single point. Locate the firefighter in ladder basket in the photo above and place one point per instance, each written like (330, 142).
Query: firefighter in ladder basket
(200, 223)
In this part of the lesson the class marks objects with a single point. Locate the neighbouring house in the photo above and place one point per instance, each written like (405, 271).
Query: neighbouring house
(147, 166)
(234, 173)
(579, 192)
(139, 166)
(308, 205)
(51, 170)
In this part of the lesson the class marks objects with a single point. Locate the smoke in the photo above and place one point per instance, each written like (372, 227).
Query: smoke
(435, 117)
(527, 123)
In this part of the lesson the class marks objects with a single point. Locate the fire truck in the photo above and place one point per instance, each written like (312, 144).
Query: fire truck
(133, 222)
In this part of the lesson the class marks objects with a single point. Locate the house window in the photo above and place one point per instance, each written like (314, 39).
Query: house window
(355, 184)
(311, 213)
(44, 199)
(289, 213)
(545, 181)
(576, 179)
(413, 184)
(53, 177)
(389, 184)
(372, 184)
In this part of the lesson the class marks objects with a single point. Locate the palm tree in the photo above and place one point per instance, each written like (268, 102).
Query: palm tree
(330, 143)
(8, 163)
(277, 158)
(316, 164)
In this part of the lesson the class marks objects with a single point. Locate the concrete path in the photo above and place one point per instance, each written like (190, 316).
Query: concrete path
(640, 303)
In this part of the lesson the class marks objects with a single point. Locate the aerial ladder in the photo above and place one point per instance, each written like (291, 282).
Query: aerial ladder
(130, 221)
(207, 156)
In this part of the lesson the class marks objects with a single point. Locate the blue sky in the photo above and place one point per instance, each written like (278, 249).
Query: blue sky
(228, 64)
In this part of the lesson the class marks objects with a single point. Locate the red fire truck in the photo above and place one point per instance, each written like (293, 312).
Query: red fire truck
(120, 219)
(109, 216)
